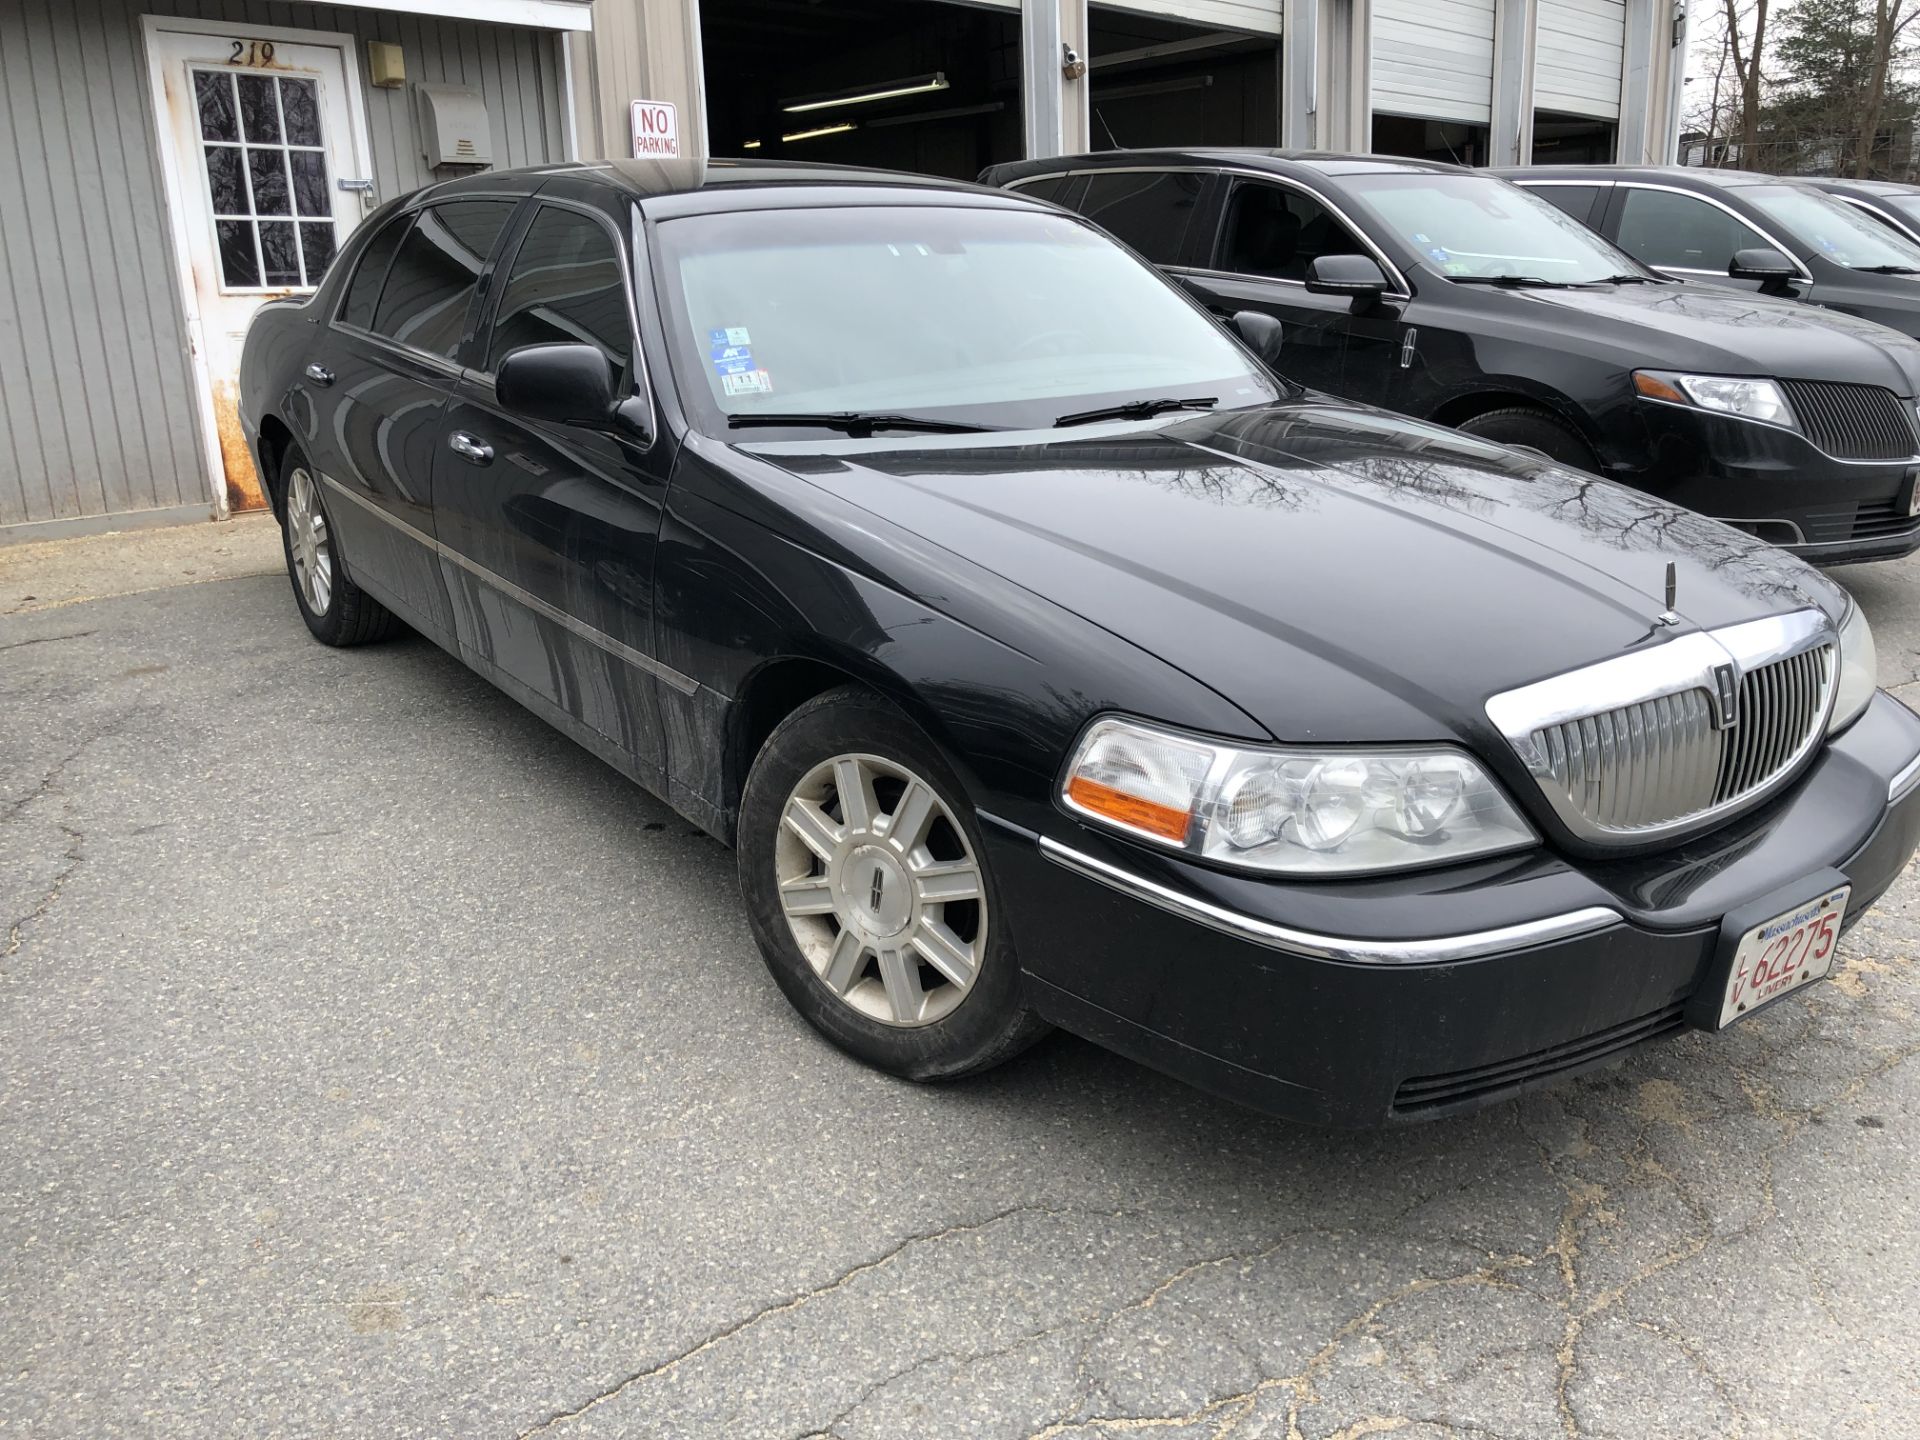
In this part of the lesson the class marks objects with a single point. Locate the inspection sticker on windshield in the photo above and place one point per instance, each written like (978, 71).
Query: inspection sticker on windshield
(750, 382)
(732, 359)
(728, 335)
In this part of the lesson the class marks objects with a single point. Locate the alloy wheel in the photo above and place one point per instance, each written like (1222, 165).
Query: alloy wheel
(309, 547)
(882, 890)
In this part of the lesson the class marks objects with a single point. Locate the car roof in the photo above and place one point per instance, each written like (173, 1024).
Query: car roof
(1692, 174)
(1866, 187)
(1280, 162)
(653, 179)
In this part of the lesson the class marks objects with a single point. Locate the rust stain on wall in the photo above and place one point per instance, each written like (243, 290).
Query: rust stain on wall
(243, 480)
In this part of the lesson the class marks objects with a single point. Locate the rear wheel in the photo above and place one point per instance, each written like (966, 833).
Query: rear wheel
(1525, 428)
(869, 893)
(336, 610)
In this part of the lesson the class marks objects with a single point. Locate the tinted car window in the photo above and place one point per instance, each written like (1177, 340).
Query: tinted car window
(1272, 230)
(565, 284)
(1840, 232)
(1575, 200)
(1050, 188)
(1682, 232)
(363, 292)
(424, 302)
(1150, 212)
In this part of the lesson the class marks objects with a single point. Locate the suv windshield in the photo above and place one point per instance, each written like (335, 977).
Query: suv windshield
(1833, 228)
(980, 316)
(1467, 226)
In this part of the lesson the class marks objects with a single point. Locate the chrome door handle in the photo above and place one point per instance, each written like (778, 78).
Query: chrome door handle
(319, 374)
(469, 447)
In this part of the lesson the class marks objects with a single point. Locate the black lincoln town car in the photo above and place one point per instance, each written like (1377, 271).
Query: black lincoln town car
(1047, 661)
(1452, 296)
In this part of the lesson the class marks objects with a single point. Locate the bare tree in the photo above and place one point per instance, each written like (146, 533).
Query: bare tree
(1888, 22)
(1746, 67)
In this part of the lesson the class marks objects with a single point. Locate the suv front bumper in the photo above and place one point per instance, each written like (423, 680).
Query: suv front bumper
(1366, 1002)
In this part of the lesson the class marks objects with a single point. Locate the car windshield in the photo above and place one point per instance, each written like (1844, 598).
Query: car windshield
(980, 316)
(1832, 228)
(1477, 226)
(1907, 207)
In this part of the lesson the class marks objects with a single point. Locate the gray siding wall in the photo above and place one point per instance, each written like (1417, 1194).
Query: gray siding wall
(96, 401)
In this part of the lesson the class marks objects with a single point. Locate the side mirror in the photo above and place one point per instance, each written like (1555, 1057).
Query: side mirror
(1261, 332)
(567, 384)
(1761, 264)
(1357, 275)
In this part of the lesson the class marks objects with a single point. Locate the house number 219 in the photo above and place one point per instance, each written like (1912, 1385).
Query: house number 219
(251, 52)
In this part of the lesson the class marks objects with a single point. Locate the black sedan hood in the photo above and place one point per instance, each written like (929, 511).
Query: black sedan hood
(1710, 330)
(1338, 573)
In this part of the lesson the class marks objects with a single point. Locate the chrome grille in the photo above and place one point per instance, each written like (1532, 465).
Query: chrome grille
(1851, 422)
(1682, 731)
(1639, 765)
(1779, 706)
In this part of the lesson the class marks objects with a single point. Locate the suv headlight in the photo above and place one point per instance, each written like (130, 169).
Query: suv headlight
(1859, 669)
(1287, 810)
(1750, 399)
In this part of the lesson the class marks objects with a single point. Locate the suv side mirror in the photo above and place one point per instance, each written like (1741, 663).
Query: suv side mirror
(1356, 275)
(1261, 332)
(568, 384)
(1760, 263)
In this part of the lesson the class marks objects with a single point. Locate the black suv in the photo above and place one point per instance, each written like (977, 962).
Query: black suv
(1766, 234)
(1454, 296)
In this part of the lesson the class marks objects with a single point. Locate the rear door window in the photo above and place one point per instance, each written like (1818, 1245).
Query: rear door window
(1149, 210)
(1575, 200)
(1277, 231)
(363, 292)
(1682, 232)
(434, 274)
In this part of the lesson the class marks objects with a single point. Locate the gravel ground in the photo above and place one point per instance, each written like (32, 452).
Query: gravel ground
(373, 1062)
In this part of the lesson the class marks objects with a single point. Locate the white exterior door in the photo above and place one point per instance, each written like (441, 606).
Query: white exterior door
(258, 128)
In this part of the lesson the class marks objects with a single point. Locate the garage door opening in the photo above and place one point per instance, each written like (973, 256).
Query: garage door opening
(903, 84)
(1162, 82)
(1455, 142)
(1572, 139)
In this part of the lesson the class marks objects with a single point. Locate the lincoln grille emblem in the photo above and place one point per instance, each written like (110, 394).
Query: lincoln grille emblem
(879, 889)
(1726, 694)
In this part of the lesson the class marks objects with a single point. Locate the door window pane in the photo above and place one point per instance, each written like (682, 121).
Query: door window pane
(424, 303)
(213, 89)
(1278, 232)
(1150, 212)
(363, 293)
(265, 157)
(1682, 232)
(565, 285)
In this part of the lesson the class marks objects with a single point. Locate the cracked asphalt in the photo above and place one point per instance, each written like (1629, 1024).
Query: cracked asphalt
(373, 1062)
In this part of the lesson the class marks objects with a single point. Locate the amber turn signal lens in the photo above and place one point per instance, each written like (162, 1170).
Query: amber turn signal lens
(1654, 388)
(1130, 810)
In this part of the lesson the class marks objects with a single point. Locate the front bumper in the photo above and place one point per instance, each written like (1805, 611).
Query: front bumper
(1776, 485)
(1445, 990)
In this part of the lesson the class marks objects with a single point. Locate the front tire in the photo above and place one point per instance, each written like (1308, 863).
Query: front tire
(336, 610)
(1525, 428)
(869, 893)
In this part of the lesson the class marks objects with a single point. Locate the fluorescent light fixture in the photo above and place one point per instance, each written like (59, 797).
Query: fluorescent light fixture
(1153, 87)
(749, 144)
(884, 90)
(840, 129)
(921, 117)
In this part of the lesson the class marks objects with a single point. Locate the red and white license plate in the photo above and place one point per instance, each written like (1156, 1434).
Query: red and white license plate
(1784, 953)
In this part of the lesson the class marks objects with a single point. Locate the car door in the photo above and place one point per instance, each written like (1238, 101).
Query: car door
(548, 530)
(380, 380)
(1270, 232)
(1681, 234)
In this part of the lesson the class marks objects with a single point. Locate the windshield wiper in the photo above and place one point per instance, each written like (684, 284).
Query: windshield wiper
(1511, 282)
(1138, 410)
(1623, 280)
(855, 423)
(1885, 269)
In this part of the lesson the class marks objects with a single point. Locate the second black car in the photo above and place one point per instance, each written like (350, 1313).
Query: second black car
(1454, 296)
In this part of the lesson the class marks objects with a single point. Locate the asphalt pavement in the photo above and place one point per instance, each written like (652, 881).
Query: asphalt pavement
(374, 1062)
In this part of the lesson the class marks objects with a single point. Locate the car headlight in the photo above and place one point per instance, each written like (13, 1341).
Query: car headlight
(1750, 399)
(1859, 669)
(1288, 810)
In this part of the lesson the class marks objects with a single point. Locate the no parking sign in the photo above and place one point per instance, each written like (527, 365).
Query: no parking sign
(656, 130)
